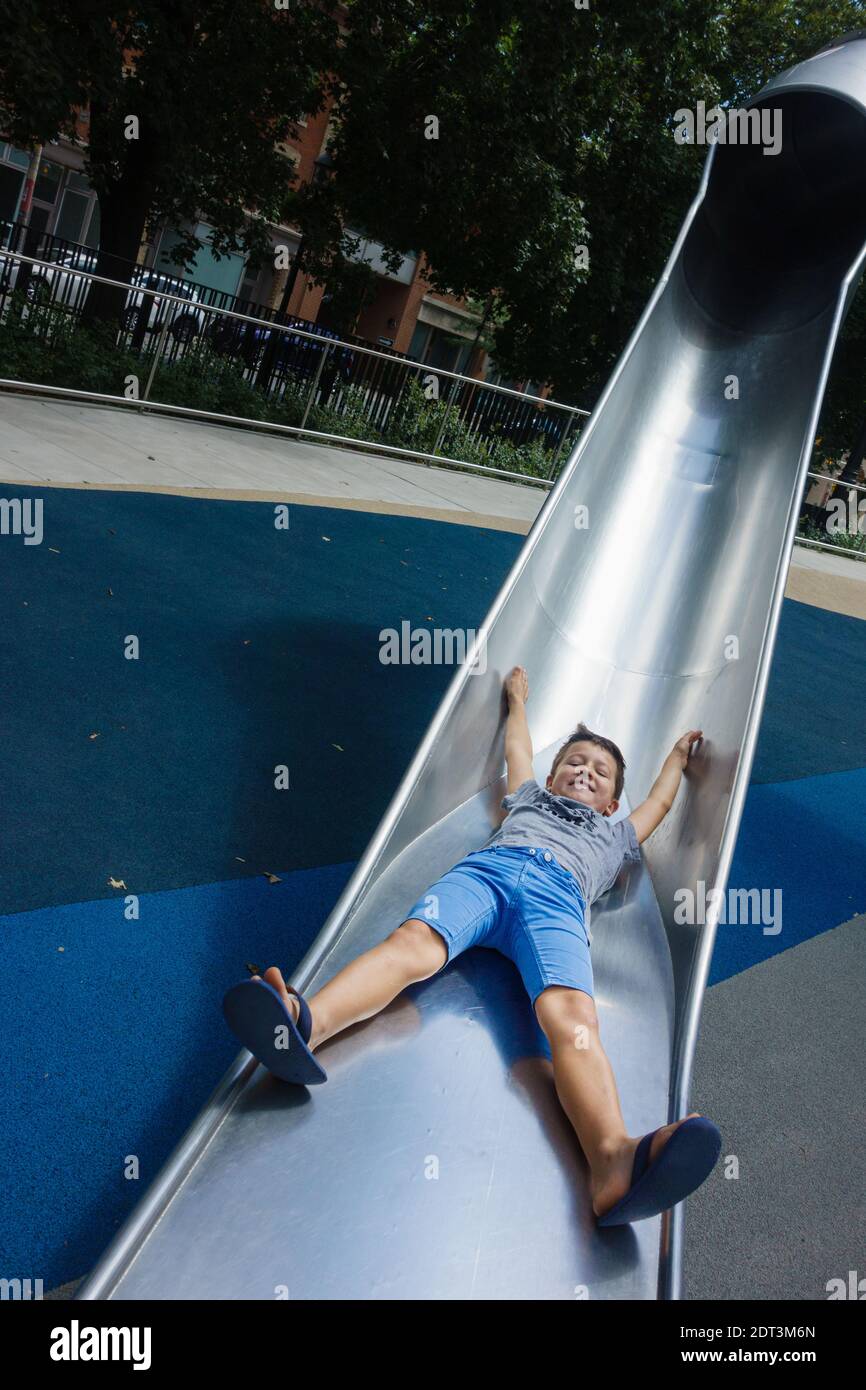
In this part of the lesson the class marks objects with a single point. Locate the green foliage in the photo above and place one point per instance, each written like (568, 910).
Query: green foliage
(417, 423)
(847, 540)
(555, 131)
(345, 414)
(205, 380)
(215, 88)
(844, 407)
(47, 345)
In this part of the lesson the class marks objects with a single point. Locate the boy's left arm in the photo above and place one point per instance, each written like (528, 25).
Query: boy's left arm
(652, 812)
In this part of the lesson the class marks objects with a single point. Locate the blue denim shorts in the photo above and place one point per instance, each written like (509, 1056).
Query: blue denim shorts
(517, 900)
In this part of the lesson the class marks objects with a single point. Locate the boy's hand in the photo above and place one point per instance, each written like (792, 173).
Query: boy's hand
(683, 745)
(652, 812)
(517, 686)
(518, 744)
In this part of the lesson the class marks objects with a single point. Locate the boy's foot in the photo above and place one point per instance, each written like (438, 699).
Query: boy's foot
(259, 1019)
(606, 1188)
(273, 976)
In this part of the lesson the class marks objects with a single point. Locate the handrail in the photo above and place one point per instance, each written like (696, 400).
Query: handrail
(828, 478)
(851, 551)
(188, 412)
(332, 342)
(168, 297)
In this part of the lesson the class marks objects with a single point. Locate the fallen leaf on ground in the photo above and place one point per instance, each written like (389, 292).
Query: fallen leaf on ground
(93, 735)
(117, 883)
(272, 878)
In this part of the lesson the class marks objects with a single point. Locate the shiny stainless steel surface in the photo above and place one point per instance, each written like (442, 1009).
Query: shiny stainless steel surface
(628, 624)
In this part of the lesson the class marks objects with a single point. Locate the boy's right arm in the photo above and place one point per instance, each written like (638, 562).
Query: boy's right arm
(518, 744)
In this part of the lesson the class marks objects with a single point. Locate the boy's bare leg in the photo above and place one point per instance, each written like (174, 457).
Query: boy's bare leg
(586, 1088)
(414, 951)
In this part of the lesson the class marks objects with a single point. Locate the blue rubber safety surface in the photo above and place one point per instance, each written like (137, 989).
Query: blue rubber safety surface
(260, 648)
(802, 845)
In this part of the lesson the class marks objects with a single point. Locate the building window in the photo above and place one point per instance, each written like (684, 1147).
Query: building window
(446, 351)
(13, 165)
(77, 208)
(47, 183)
(9, 155)
(11, 183)
(222, 275)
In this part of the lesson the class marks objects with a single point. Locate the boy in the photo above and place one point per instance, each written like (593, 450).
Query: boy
(525, 894)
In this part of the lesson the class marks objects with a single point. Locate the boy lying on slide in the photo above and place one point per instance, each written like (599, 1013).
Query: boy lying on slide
(524, 894)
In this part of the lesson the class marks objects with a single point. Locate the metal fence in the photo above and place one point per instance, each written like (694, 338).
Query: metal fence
(55, 250)
(163, 321)
(310, 376)
(818, 518)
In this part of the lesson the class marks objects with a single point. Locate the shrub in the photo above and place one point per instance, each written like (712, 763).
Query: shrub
(846, 540)
(45, 344)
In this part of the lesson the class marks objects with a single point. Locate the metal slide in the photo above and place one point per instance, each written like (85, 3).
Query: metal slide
(436, 1162)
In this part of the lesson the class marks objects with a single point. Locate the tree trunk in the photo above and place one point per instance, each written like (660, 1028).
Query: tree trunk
(123, 213)
(272, 344)
(850, 473)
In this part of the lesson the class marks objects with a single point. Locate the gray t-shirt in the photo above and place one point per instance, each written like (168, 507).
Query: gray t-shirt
(584, 841)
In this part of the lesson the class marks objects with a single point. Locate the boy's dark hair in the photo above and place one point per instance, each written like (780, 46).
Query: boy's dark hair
(584, 735)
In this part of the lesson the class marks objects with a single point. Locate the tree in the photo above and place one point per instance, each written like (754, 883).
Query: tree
(188, 101)
(501, 137)
(525, 146)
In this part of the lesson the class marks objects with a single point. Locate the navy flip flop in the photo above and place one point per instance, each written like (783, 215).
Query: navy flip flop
(260, 1020)
(686, 1161)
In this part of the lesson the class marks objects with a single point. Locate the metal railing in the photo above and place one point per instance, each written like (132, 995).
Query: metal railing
(856, 551)
(311, 376)
(52, 249)
(335, 371)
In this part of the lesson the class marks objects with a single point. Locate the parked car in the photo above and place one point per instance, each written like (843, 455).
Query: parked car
(45, 283)
(184, 324)
(295, 356)
(54, 283)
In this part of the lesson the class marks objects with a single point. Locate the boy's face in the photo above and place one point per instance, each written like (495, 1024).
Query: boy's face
(587, 774)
